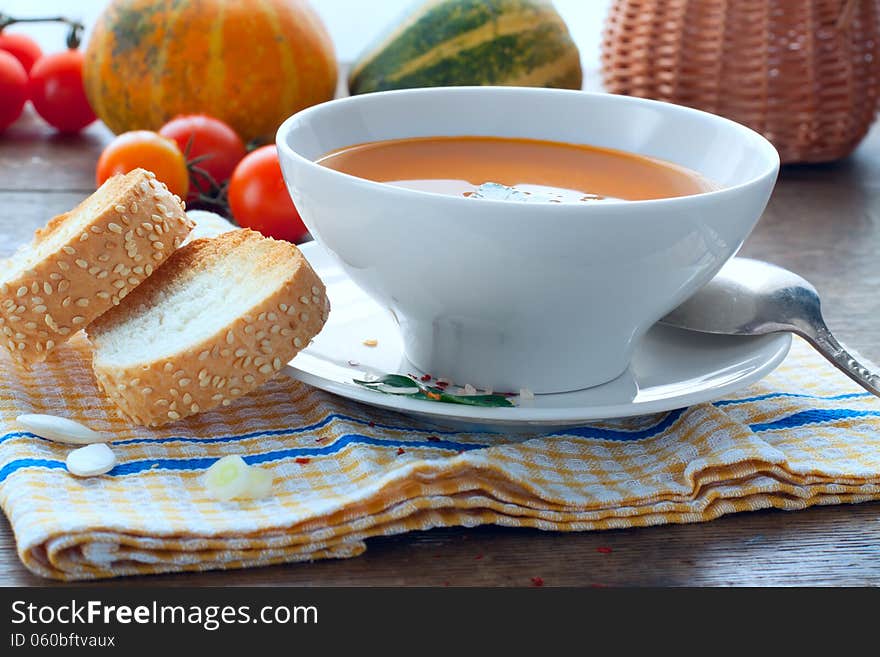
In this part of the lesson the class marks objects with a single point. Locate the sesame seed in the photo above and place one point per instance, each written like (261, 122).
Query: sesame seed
(101, 275)
(121, 386)
(134, 280)
(304, 299)
(119, 208)
(50, 322)
(94, 270)
(266, 369)
(114, 228)
(148, 269)
(69, 250)
(194, 408)
(30, 325)
(249, 329)
(147, 390)
(21, 291)
(35, 287)
(82, 303)
(226, 402)
(216, 397)
(158, 245)
(103, 295)
(304, 317)
(204, 355)
(63, 266)
(261, 317)
(97, 230)
(168, 367)
(276, 363)
(161, 208)
(54, 276)
(286, 332)
(78, 319)
(203, 374)
(291, 310)
(119, 284)
(83, 237)
(316, 300)
(82, 264)
(315, 289)
(104, 257)
(248, 378)
(230, 337)
(138, 270)
(271, 317)
(50, 344)
(297, 342)
(158, 256)
(4, 288)
(174, 415)
(240, 352)
(161, 402)
(225, 353)
(282, 307)
(133, 208)
(187, 398)
(64, 330)
(275, 329)
(21, 346)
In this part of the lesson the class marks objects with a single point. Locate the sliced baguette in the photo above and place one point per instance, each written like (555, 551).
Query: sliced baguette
(220, 318)
(85, 261)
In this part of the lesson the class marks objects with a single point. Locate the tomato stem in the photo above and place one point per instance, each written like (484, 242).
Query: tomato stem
(74, 35)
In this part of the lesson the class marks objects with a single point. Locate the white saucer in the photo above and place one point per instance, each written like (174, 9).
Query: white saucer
(671, 368)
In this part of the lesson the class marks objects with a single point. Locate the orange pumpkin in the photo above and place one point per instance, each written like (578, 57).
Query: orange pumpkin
(250, 64)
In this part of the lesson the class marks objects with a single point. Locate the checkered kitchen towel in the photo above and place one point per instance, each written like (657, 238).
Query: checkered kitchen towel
(344, 472)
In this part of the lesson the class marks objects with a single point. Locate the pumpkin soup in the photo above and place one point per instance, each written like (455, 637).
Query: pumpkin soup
(516, 169)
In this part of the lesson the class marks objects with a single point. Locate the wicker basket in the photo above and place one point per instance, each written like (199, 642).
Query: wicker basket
(805, 73)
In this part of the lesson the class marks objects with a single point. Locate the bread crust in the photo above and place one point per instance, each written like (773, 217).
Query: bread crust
(119, 247)
(235, 360)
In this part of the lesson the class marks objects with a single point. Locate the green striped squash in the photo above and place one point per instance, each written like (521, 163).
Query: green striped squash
(472, 42)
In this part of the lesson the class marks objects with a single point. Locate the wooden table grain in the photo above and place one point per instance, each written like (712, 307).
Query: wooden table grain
(823, 221)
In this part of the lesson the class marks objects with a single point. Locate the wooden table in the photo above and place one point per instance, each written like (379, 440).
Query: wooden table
(823, 221)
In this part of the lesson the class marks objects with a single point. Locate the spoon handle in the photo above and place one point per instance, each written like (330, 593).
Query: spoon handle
(828, 346)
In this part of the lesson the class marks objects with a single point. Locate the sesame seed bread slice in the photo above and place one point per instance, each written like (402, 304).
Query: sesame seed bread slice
(85, 261)
(219, 319)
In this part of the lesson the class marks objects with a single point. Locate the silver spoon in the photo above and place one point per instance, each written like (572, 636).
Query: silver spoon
(751, 297)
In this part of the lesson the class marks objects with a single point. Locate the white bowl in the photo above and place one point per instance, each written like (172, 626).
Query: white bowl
(505, 295)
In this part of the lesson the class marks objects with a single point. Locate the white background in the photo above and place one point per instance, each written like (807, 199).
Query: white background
(352, 23)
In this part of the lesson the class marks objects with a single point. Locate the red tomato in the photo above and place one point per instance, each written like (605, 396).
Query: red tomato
(57, 91)
(213, 147)
(22, 47)
(147, 150)
(258, 197)
(13, 89)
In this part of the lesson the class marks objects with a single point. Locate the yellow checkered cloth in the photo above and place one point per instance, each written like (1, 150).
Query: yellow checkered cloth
(345, 472)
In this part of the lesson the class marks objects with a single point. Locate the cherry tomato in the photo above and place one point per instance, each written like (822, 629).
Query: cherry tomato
(213, 148)
(258, 197)
(147, 150)
(57, 92)
(13, 89)
(22, 47)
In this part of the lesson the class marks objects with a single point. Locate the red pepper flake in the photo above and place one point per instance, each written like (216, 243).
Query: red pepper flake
(400, 450)
(478, 557)
(320, 439)
(371, 423)
(302, 460)
(460, 452)
(432, 395)
(537, 581)
(442, 384)
(433, 439)
(604, 549)
(445, 583)
(425, 377)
